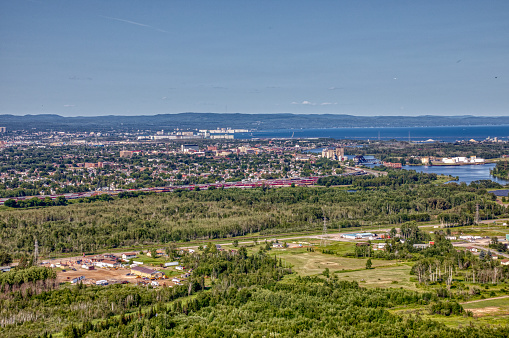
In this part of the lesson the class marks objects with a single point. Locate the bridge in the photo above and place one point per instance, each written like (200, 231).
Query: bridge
(359, 159)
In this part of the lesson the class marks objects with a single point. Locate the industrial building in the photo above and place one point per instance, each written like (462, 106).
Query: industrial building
(146, 272)
(186, 148)
(337, 154)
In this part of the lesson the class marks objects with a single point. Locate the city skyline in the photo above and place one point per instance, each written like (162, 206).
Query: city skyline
(364, 58)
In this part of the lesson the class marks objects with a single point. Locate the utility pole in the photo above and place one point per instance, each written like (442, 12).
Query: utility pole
(323, 242)
(477, 213)
(36, 251)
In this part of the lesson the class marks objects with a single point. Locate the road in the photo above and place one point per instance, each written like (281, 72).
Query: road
(483, 300)
(334, 236)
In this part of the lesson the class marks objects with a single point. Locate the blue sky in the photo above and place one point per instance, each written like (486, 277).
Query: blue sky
(92, 58)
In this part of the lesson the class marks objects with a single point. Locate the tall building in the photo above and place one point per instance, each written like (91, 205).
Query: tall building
(3, 129)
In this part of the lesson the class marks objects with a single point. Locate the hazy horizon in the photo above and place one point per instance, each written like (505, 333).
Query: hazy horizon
(364, 58)
(235, 113)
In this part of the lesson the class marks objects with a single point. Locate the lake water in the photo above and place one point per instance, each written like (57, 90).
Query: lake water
(417, 134)
(465, 173)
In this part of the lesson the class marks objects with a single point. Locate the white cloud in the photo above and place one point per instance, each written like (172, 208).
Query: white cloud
(309, 103)
(305, 103)
(69, 105)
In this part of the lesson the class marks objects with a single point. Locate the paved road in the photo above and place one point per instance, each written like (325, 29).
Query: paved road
(479, 247)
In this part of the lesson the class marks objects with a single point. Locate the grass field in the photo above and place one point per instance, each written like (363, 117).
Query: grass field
(501, 302)
(485, 312)
(382, 274)
(492, 229)
(386, 276)
(489, 312)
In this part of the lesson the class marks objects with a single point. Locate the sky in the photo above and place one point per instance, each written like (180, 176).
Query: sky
(124, 57)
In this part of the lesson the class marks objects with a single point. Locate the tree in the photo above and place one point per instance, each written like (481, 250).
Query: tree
(24, 262)
(235, 243)
(61, 201)
(10, 203)
(368, 264)
(326, 272)
(393, 232)
(5, 258)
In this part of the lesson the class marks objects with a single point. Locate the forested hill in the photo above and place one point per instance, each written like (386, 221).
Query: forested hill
(248, 121)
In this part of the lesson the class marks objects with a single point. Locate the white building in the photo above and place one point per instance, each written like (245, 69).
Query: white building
(128, 256)
(106, 263)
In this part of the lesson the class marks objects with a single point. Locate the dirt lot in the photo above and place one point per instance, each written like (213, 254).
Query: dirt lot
(111, 275)
(92, 276)
(484, 311)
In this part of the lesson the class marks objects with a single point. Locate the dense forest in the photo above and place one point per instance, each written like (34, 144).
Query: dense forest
(213, 121)
(88, 225)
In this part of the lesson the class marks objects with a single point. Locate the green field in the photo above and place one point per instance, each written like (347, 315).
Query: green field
(393, 275)
(491, 229)
(485, 312)
(383, 273)
(503, 303)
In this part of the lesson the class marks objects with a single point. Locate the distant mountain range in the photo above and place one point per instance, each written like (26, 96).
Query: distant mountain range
(245, 121)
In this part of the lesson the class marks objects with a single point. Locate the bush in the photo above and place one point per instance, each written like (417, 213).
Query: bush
(447, 308)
